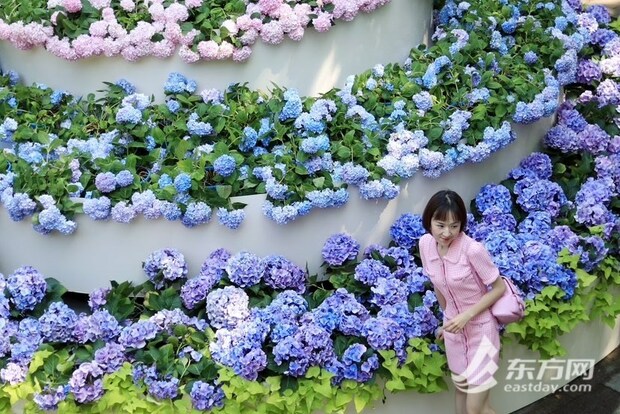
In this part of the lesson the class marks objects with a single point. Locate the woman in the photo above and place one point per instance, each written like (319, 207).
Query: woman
(466, 284)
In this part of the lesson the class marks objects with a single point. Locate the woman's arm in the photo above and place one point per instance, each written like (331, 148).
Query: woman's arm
(457, 323)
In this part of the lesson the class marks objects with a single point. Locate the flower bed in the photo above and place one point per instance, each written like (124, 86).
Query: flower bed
(259, 334)
(314, 65)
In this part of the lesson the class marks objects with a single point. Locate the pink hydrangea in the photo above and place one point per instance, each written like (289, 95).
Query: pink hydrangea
(99, 29)
(272, 33)
(188, 38)
(108, 15)
(208, 49)
(100, 4)
(269, 7)
(173, 32)
(117, 31)
(142, 32)
(157, 12)
(112, 47)
(87, 46)
(345, 9)
(225, 50)
(133, 53)
(163, 49)
(371, 5)
(61, 48)
(128, 5)
(240, 55)
(303, 11)
(176, 13)
(288, 18)
(188, 55)
(323, 22)
(249, 37)
(244, 22)
(193, 4)
(5, 30)
(72, 6)
(297, 34)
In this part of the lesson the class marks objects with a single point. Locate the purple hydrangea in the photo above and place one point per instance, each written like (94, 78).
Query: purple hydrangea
(98, 298)
(136, 334)
(279, 273)
(206, 396)
(164, 389)
(340, 248)
(97, 208)
(540, 195)
(341, 311)
(310, 346)
(110, 357)
(388, 291)
(87, 383)
(165, 265)
(197, 213)
(49, 398)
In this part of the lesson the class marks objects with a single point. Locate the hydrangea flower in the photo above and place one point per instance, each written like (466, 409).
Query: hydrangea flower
(407, 230)
(280, 273)
(244, 269)
(227, 307)
(164, 266)
(206, 396)
(339, 248)
(26, 287)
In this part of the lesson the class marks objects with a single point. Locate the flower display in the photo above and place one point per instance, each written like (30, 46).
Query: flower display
(245, 325)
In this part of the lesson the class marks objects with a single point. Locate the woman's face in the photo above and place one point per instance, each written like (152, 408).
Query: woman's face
(445, 231)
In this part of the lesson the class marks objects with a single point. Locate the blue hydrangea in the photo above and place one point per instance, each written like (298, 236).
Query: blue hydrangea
(127, 114)
(292, 107)
(368, 271)
(19, 206)
(26, 287)
(231, 219)
(494, 198)
(197, 213)
(310, 346)
(341, 311)
(110, 357)
(58, 322)
(105, 182)
(124, 178)
(225, 165)
(244, 269)
(182, 182)
(407, 230)
(227, 307)
(312, 145)
(177, 83)
(388, 291)
(198, 128)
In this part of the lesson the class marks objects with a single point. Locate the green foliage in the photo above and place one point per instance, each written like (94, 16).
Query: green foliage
(422, 371)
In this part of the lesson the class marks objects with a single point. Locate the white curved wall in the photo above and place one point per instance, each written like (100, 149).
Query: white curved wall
(316, 64)
(102, 251)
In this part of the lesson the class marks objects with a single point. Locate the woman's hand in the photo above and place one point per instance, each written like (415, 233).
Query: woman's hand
(456, 324)
(439, 333)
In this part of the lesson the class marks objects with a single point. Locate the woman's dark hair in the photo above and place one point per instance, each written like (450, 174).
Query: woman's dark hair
(441, 205)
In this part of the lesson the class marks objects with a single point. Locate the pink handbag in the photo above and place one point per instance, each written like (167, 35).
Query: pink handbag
(509, 307)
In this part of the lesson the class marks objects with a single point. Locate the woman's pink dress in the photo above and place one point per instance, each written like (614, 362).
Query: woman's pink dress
(462, 277)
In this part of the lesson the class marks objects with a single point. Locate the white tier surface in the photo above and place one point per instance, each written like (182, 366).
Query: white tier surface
(102, 251)
(316, 64)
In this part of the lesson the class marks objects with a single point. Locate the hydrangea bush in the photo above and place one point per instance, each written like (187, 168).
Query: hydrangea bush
(194, 29)
(183, 159)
